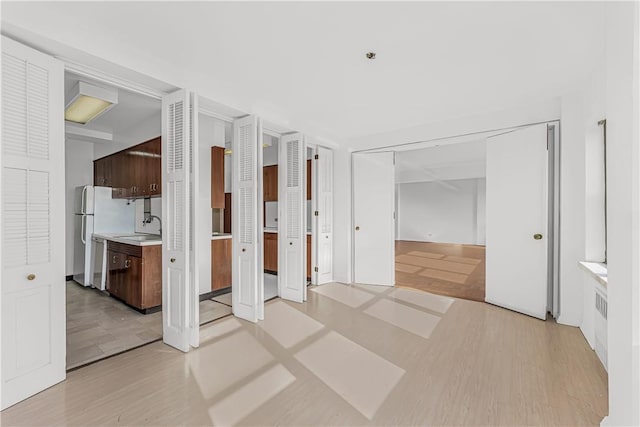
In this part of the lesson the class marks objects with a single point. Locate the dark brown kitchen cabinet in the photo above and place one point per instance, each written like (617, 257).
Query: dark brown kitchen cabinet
(227, 212)
(132, 173)
(217, 178)
(270, 183)
(102, 172)
(220, 264)
(134, 274)
(271, 252)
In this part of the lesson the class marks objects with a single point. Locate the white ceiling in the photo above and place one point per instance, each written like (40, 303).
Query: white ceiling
(302, 64)
(464, 160)
(131, 109)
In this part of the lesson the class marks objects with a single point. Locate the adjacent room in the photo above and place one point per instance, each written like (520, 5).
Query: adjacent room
(440, 219)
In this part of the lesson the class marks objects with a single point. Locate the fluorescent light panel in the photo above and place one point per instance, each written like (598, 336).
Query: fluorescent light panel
(88, 102)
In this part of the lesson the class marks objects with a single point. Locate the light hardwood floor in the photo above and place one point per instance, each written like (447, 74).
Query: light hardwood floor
(379, 356)
(442, 268)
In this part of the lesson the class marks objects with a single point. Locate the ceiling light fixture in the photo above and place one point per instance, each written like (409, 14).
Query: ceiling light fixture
(88, 102)
(371, 55)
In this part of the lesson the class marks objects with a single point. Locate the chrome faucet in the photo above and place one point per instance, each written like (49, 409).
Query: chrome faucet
(150, 218)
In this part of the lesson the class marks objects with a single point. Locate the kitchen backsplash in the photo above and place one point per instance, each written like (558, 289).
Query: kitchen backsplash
(156, 209)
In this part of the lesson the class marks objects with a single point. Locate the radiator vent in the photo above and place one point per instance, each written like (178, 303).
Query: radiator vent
(601, 305)
(601, 338)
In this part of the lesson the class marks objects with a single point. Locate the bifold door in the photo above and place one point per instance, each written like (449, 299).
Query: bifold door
(33, 278)
(176, 194)
(247, 224)
(517, 212)
(374, 209)
(292, 229)
(324, 216)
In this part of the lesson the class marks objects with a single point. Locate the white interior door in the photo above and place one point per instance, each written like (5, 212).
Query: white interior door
(247, 226)
(33, 345)
(194, 229)
(292, 229)
(324, 219)
(517, 198)
(176, 192)
(374, 210)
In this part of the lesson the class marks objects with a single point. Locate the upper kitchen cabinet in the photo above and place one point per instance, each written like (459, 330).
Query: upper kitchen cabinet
(270, 183)
(146, 159)
(217, 178)
(134, 172)
(102, 172)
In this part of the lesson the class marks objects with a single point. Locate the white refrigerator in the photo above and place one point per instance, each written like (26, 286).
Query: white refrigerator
(97, 212)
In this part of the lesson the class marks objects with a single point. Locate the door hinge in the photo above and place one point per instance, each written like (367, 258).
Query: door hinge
(315, 213)
(315, 157)
(315, 269)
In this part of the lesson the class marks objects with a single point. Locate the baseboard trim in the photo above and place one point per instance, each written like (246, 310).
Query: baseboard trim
(215, 293)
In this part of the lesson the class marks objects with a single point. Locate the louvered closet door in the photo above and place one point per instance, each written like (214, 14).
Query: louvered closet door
(33, 276)
(176, 218)
(292, 231)
(324, 219)
(247, 224)
(194, 230)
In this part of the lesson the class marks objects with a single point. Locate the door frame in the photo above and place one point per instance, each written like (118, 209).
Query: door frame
(554, 228)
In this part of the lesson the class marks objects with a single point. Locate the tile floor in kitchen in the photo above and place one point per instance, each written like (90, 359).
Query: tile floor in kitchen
(99, 326)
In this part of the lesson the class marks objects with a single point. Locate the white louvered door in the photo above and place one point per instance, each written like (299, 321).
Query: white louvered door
(247, 224)
(194, 229)
(292, 229)
(176, 154)
(324, 219)
(33, 278)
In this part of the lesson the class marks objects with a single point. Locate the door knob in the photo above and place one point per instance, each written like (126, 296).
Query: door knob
(290, 243)
(31, 276)
(244, 250)
(537, 236)
(357, 227)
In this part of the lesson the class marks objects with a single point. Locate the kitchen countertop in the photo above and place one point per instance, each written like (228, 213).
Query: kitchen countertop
(220, 236)
(122, 238)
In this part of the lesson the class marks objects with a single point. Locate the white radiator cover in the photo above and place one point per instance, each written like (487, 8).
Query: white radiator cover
(601, 308)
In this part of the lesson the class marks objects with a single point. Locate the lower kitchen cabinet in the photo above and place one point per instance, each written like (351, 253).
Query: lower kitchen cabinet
(134, 274)
(220, 264)
(271, 252)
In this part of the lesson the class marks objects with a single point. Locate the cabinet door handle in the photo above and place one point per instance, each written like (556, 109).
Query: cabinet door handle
(127, 263)
(31, 276)
(115, 259)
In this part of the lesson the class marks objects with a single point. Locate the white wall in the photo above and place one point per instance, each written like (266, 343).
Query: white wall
(79, 171)
(621, 107)
(143, 131)
(443, 211)
(156, 209)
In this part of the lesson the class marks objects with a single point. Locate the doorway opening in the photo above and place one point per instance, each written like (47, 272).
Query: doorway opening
(440, 219)
(518, 230)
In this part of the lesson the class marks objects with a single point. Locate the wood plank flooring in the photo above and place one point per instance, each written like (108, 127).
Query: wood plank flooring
(442, 268)
(383, 357)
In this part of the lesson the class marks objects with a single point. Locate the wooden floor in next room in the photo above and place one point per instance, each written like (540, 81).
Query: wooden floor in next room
(450, 269)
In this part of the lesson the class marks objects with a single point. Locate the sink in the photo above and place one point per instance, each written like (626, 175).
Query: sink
(142, 237)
